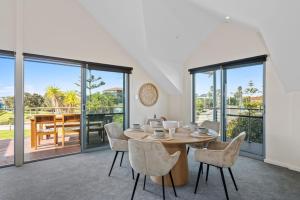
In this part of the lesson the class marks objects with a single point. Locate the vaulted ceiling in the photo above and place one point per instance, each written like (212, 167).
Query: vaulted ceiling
(161, 35)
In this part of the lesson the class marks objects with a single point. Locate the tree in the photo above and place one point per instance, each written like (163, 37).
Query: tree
(199, 106)
(102, 102)
(71, 100)
(55, 95)
(9, 102)
(251, 90)
(239, 96)
(92, 82)
(33, 100)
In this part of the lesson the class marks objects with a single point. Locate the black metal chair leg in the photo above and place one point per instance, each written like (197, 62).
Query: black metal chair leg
(198, 177)
(224, 183)
(233, 179)
(207, 171)
(173, 184)
(132, 172)
(163, 187)
(136, 181)
(121, 159)
(144, 182)
(113, 163)
(188, 150)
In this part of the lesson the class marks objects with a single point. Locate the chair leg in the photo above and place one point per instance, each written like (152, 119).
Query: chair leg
(63, 140)
(136, 181)
(173, 184)
(198, 177)
(236, 188)
(113, 163)
(132, 172)
(188, 150)
(36, 142)
(144, 182)
(224, 183)
(121, 159)
(207, 171)
(163, 187)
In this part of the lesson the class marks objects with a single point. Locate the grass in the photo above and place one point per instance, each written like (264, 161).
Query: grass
(5, 117)
(8, 135)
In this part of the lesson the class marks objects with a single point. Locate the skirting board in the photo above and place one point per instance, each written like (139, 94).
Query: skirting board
(281, 164)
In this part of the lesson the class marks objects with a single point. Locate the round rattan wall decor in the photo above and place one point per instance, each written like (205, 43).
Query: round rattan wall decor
(148, 94)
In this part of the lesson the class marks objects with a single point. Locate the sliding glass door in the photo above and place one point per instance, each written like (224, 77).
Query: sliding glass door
(244, 107)
(207, 96)
(7, 65)
(233, 94)
(52, 95)
(104, 103)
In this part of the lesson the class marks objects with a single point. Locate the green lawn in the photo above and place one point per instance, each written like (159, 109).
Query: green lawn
(5, 117)
(4, 135)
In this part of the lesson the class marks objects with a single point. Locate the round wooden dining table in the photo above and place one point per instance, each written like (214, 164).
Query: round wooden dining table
(179, 141)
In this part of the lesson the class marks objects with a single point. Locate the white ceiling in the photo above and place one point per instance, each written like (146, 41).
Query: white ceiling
(161, 35)
(279, 25)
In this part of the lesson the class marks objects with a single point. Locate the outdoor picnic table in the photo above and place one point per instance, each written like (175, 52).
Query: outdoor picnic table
(48, 126)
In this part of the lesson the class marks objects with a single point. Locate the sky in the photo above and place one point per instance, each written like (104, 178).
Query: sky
(235, 77)
(38, 76)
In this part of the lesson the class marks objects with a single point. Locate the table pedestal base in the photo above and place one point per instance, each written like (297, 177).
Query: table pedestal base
(180, 171)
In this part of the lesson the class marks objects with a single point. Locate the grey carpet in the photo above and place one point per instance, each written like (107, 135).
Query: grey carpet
(84, 177)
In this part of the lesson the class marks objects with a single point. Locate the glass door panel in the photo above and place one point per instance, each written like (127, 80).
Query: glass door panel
(7, 65)
(244, 107)
(51, 109)
(207, 97)
(104, 103)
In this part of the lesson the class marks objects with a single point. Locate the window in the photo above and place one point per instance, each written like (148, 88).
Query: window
(233, 93)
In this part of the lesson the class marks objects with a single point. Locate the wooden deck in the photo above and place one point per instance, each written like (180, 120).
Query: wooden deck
(47, 149)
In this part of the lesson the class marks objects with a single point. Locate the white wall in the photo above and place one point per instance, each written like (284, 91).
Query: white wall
(8, 24)
(64, 29)
(233, 41)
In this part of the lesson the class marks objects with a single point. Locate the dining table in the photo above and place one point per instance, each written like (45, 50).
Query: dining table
(58, 117)
(177, 142)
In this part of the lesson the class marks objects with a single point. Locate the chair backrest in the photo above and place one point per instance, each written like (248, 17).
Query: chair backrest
(211, 125)
(68, 118)
(232, 150)
(95, 117)
(114, 131)
(150, 157)
(45, 119)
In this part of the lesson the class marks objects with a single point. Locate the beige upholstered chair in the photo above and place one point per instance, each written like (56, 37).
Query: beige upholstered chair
(151, 159)
(118, 142)
(213, 125)
(221, 155)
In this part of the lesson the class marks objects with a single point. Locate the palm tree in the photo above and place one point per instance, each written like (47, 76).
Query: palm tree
(71, 100)
(55, 95)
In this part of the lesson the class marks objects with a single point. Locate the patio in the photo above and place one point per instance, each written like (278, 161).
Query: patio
(46, 150)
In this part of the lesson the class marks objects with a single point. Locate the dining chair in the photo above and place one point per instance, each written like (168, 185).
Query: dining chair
(118, 142)
(95, 122)
(151, 159)
(41, 121)
(213, 125)
(220, 155)
(70, 124)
